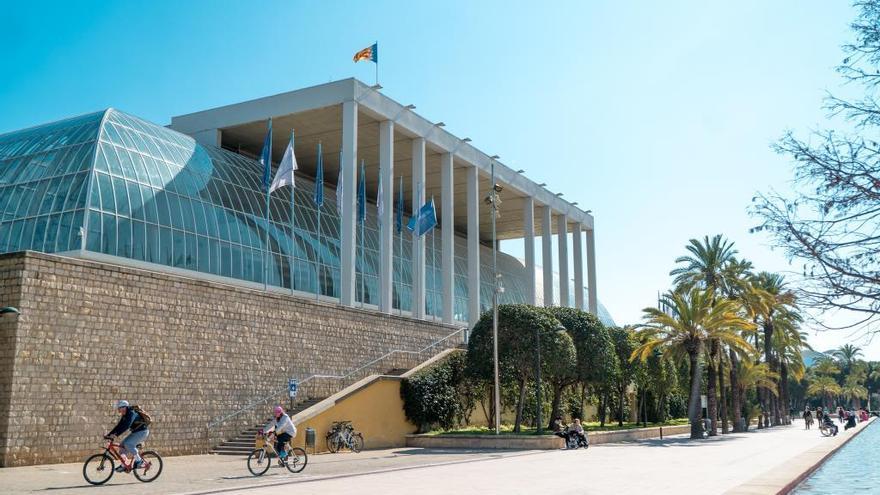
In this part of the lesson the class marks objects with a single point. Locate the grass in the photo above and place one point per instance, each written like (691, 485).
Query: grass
(507, 429)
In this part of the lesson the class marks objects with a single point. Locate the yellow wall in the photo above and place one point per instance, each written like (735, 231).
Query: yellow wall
(375, 409)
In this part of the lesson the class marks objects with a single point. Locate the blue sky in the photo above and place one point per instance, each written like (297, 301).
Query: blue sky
(658, 116)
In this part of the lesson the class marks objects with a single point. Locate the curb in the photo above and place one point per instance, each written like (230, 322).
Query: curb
(766, 483)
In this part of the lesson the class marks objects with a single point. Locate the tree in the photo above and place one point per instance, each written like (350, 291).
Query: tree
(847, 354)
(596, 363)
(830, 222)
(625, 344)
(705, 267)
(517, 328)
(824, 387)
(853, 390)
(690, 321)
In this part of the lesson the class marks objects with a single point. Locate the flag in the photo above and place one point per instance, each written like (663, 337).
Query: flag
(339, 179)
(319, 179)
(380, 203)
(398, 220)
(425, 219)
(266, 158)
(362, 193)
(284, 175)
(370, 53)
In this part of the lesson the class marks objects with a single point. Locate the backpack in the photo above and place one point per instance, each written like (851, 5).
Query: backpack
(144, 418)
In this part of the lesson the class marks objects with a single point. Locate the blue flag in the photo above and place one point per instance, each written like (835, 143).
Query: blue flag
(319, 179)
(425, 220)
(266, 158)
(398, 219)
(362, 193)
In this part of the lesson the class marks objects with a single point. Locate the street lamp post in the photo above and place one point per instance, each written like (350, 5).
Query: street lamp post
(495, 291)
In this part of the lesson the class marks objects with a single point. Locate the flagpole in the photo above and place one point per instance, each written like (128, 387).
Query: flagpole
(290, 265)
(433, 265)
(376, 44)
(400, 251)
(268, 194)
(318, 290)
(363, 221)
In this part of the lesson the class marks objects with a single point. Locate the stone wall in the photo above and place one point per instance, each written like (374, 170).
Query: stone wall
(188, 350)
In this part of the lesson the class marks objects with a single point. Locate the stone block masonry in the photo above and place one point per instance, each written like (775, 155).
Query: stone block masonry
(188, 350)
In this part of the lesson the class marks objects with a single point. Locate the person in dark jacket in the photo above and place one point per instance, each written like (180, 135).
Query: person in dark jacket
(129, 420)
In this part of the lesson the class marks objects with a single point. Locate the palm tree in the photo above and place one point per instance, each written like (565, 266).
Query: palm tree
(824, 387)
(853, 390)
(705, 267)
(737, 286)
(789, 343)
(826, 367)
(777, 309)
(693, 318)
(847, 354)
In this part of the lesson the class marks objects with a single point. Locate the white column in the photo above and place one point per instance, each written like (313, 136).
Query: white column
(529, 245)
(592, 300)
(418, 242)
(578, 248)
(547, 254)
(386, 229)
(562, 243)
(349, 210)
(447, 215)
(473, 244)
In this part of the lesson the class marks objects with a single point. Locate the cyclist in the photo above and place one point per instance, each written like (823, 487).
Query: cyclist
(284, 431)
(130, 420)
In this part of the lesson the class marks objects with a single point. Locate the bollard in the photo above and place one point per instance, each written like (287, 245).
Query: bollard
(661, 433)
(310, 439)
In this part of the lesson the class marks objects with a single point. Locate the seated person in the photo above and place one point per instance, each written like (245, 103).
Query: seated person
(826, 419)
(850, 420)
(558, 426)
(578, 429)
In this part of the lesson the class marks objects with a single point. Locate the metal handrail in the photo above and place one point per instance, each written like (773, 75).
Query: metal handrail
(274, 394)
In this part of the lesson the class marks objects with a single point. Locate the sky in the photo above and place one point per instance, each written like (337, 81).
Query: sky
(657, 116)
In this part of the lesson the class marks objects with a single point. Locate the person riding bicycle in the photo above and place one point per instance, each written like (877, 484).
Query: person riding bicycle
(283, 428)
(130, 420)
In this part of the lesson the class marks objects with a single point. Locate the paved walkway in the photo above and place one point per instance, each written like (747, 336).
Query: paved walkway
(673, 465)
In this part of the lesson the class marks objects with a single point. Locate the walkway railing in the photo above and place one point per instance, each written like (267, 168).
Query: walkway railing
(343, 378)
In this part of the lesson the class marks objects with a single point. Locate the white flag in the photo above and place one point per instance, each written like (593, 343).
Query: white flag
(284, 175)
(380, 203)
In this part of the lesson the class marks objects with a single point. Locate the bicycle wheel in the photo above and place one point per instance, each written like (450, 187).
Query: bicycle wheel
(357, 443)
(98, 469)
(258, 462)
(150, 468)
(297, 460)
(333, 444)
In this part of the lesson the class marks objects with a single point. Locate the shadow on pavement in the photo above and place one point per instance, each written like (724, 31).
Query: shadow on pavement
(77, 487)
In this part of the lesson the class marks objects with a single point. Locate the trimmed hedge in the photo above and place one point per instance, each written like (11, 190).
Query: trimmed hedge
(437, 396)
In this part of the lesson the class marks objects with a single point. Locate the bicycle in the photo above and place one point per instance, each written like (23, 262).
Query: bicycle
(258, 461)
(342, 434)
(826, 430)
(99, 468)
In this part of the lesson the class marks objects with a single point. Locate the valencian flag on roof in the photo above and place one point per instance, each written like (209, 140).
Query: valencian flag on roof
(370, 53)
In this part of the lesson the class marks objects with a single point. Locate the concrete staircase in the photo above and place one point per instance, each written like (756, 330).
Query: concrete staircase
(243, 443)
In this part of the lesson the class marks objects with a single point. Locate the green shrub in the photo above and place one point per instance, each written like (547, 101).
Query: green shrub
(439, 396)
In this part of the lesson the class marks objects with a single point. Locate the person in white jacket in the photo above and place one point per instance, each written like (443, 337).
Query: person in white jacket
(283, 428)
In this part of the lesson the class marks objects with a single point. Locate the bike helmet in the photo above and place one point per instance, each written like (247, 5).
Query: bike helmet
(122, 403)
(279, 410)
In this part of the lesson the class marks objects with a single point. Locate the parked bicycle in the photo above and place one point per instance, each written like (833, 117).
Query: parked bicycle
(343, 435)
(99, 468)
(259, 460)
